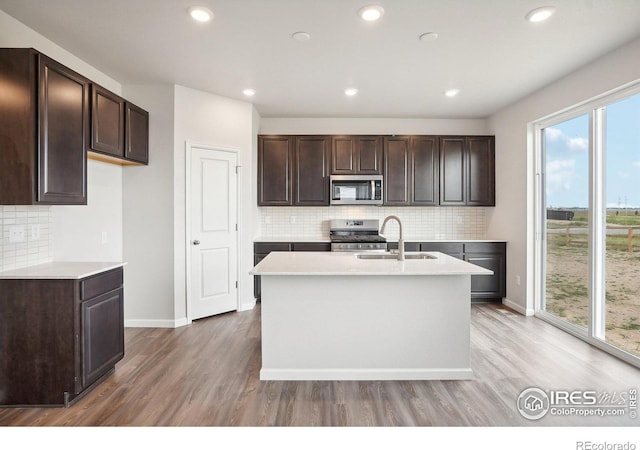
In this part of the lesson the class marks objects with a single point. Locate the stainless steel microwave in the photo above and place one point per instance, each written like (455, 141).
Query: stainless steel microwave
(356, 189)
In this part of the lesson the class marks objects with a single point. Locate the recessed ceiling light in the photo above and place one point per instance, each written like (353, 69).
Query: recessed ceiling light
(249, 92)
(350, 92)
(452, 92)
(301, 36)
(428, 37)
(540, 14)
(200, 13)
(371, 13)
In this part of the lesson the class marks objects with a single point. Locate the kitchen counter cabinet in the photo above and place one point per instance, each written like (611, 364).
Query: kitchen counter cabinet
(490, 255)
(262, 249)
(58, 336)
(44, 131)
(416, 326)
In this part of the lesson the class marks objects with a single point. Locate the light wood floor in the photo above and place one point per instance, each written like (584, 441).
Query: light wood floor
(207, 374)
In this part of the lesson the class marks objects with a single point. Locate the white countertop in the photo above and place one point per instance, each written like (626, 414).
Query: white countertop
(328, 240)
(59, 270)
(339, 263)
(292, 239)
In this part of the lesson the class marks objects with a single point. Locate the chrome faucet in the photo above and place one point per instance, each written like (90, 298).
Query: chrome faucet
(400, 239)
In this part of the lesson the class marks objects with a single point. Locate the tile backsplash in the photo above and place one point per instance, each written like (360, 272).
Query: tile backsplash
(417, 222)
(31, 227)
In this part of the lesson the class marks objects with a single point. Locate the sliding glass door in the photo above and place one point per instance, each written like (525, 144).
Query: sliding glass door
(566, 153)
(589, 222)
(622, 193)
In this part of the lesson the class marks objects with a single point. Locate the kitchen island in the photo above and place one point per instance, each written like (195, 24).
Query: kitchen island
(335, 316)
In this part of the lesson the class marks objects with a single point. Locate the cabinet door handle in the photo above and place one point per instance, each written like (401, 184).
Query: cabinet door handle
(196, 242)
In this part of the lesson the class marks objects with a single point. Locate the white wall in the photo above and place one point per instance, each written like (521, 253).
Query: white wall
(148, 216)
(207, 119)
(78, 230)
(513, 216)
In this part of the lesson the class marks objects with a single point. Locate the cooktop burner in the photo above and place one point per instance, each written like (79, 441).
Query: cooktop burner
(358, 238)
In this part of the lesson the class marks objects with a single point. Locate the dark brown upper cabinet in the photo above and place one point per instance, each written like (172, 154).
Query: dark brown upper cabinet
(293, 170)
(467, 171)
(481, 171)
(452, 171)
(275, 171)
(419, 170)
(44, 130)
(396, 170)
(107, 122)
(136, 132)
(119, 129)
(311, 168)
(424, 156)
(354, 155)
(411, 170)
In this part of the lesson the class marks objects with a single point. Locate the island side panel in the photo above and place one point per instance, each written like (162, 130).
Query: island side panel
(365, 327)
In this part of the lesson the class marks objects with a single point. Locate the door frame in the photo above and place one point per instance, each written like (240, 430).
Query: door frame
(189, 146)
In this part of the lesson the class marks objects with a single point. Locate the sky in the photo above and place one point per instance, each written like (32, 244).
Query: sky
(567, 158)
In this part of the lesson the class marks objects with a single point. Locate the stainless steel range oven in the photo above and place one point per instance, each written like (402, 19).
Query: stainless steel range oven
(354, 235)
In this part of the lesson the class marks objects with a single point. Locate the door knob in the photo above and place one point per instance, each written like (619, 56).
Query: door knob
(196, 242)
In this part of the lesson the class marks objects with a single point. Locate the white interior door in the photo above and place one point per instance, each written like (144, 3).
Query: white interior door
(213, 232)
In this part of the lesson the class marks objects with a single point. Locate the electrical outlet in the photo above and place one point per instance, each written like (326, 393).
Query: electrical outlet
(34, 232)
(293, 219)
(518, 280)
(16, 233)
(105, 237)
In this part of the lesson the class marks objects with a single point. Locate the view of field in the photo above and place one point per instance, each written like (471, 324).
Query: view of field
(567, 275)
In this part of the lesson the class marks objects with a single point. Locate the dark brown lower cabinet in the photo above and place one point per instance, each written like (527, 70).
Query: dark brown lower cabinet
(490, 255)
(262, 249)
(58, 337)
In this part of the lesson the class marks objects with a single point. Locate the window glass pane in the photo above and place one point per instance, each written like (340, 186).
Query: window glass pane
(622, 196)
(566, 168)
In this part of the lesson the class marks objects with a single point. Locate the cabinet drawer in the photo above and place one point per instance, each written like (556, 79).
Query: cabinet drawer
(448, 248)
(266, 247)
(311, 247)
(408, 246)
(101, 283)
(485, 247)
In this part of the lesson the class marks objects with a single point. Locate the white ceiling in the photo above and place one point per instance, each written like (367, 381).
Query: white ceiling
(485, 48)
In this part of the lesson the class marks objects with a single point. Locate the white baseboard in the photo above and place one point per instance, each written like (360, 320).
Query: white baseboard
(367, 374)
(518, 308)
(153, 323)
(247, 306)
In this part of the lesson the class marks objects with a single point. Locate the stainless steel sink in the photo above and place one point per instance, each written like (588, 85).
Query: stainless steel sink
(376, 256)
(419, 256)
(394, 256)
